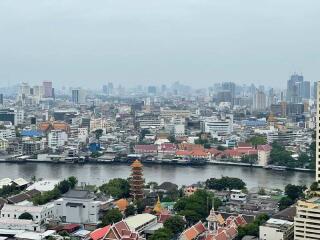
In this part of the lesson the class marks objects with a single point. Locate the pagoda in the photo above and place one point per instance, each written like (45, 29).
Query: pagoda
(157, 207)
(137, 180)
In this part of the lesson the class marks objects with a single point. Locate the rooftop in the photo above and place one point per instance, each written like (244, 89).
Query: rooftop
(80, 194)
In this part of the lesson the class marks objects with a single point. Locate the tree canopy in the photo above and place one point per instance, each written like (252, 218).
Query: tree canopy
(117, 188)
(196, 206)
(225, 183)
(162, 234)
(112, 216)
(175, 224)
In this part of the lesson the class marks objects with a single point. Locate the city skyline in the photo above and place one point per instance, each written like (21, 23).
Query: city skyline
(197, 43)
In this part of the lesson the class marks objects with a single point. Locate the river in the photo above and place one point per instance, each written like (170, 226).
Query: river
(181, 175)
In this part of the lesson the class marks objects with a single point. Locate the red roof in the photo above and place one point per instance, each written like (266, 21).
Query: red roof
(200, 227)
(232, 232)
(70, 226)
(264, 147)
(244, 145)
(239, 220)
(163, 217)
(99, 233)
(147, 147)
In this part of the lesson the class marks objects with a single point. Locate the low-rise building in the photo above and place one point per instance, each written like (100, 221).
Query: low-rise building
(77, 206)
(276, 229)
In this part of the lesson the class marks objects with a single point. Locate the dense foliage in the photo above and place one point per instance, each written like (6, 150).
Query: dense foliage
(197, 206)
(162, 234)
(117, 188)
(175, 224)
(257, 140)
(112, 216)
(281, 157)
(293, 192)
(8, 190)
(225, 183)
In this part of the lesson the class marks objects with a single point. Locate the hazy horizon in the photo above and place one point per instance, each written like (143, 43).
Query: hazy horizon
(149, 42)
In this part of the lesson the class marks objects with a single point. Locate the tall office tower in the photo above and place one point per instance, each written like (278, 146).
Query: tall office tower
(305, 90)
(229, 86)
(318, 134)
(314, 90)
(294, 88)
(1, 99)
(47, 89)
(78, 96)
(259, 101)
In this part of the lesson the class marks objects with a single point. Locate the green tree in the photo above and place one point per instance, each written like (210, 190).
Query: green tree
(140, 205)
(175, 224)
(162, 234)
(314, 186)
(63, 186)
(257, 140)
(195, 207)
(130, 210)
(294, 191)
(26, 216)
(285, 202)
(112, 216)
(72, 182)
(225, 183)
(117, 188)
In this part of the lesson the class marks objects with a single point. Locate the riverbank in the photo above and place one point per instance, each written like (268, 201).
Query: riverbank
(98, 174)
(211, 162)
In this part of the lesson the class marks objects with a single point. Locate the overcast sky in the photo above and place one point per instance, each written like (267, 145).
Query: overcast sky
(197, 42)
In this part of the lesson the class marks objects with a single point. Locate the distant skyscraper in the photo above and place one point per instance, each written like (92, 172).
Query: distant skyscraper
(259, 101)
(1, 99)
(315, 89)
(152, 90)
(295, 88)
(78, 96)
(305, 90)
(47, 89)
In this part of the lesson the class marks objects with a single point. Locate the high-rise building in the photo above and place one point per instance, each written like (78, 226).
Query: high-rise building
(1, 99)
(307, 219)
(78, 96)
(305, 90)
(47, 89)
(318, 134)
(295, 88)
(315, 88)
(259, 101)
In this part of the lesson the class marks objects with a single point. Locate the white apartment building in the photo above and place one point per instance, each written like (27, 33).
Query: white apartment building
(8, 133)
(307, 220)
(276, 229)
(217, 125)
(57, 138)
(173, 113)
(77, 206)
(39, 213)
